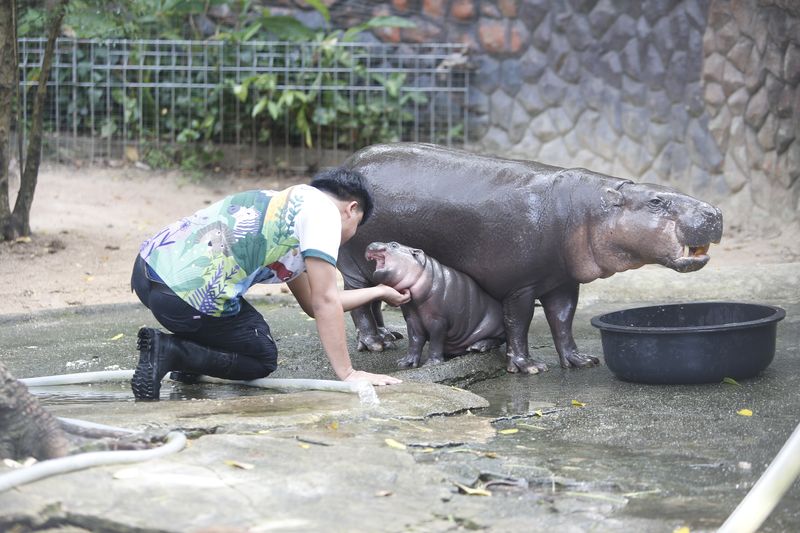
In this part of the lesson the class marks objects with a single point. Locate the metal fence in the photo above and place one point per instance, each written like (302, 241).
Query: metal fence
(275, 104)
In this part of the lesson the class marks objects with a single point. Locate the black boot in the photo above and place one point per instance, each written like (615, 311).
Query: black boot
(188, 378)
(155, 360)
(160, 353)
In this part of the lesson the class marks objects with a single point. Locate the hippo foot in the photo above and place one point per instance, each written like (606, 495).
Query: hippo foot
(379, 342)
(438, 360)
(579, 360)
(388, 335)
(525, 365)
(409, 361)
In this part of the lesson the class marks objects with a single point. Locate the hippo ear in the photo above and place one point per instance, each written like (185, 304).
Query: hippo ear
(612, 197)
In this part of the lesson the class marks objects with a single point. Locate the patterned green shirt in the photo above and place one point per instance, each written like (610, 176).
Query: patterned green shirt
(212, 257)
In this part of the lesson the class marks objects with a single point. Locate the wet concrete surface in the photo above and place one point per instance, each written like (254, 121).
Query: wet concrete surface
(573, 450)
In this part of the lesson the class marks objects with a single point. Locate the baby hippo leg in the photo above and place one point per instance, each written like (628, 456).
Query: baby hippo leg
(437, 330)
(416, 341)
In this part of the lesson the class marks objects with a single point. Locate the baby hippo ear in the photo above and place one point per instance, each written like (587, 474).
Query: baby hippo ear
(612, 197)
(416, 252)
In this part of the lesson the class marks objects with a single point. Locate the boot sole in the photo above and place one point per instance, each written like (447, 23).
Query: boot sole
(146, 383)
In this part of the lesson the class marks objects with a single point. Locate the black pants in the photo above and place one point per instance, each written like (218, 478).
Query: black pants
(246, 333)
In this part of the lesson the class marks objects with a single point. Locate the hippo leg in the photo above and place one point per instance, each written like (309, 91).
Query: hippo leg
(371, 333)
(367, 319)
(387, 336)
(367, 330)
(437, 332)
(416, 341)
(517, 315)
(559, 309)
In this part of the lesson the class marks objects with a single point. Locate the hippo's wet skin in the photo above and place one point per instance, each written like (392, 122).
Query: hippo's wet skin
(523, 231)
(447, 307)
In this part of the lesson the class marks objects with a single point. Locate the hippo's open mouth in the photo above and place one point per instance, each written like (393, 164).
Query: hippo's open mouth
(378, 256)
(691, 258)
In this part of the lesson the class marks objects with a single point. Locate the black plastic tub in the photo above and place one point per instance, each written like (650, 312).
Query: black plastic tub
(700, 342)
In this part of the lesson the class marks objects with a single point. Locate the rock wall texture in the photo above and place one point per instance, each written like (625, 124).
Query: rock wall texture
(700, 95)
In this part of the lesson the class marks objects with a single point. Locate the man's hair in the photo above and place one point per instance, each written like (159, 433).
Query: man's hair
(348, 185)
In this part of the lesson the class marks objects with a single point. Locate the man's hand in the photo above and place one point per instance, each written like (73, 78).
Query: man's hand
(375, 379)
(394, 297)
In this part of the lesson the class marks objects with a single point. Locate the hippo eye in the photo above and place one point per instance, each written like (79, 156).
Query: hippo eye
(393, 245)
(656, 203)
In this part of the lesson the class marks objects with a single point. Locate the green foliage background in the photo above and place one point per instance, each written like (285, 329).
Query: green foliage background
(272, 110)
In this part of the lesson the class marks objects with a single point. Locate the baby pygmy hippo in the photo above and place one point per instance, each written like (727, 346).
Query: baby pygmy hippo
(447, 307)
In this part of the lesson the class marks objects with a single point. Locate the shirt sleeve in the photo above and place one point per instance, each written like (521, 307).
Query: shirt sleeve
(319, 228)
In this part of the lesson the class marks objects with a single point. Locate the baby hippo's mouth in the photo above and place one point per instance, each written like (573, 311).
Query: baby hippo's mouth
(380, 260)
(376, 252)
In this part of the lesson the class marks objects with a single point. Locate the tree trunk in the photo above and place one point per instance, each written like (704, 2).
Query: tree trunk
(8, 81)
(19, 223)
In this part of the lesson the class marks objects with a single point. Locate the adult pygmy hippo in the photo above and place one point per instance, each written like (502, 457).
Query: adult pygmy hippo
(447, 307)
(523, 231)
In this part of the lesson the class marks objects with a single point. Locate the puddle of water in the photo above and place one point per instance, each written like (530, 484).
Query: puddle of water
(677, 485)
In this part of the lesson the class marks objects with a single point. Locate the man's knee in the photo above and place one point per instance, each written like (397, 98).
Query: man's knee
(268, 356)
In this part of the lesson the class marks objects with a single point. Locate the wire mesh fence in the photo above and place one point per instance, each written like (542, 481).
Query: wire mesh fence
(252, 104)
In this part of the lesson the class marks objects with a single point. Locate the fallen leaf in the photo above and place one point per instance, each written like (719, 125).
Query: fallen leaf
(744, 412)
(394, 444)
(730, 381)
(89, 278)
(510, 431)
(23, 240)
(383, 493)
(683, 529)
(304, 445)
(576, 403)
(117, 337)
(538, 413)
(239, 464)
(469, 491)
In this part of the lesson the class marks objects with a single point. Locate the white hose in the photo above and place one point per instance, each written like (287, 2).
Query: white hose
(175, 443)
(768, 490)
(94, 425)
(364, 389)
(79, 378)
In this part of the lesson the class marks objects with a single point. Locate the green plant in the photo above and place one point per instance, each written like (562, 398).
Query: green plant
(304, 98)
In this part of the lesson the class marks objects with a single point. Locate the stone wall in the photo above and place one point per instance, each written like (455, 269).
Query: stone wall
(701, 95)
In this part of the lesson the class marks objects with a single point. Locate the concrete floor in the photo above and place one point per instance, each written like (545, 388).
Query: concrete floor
(632, 457)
